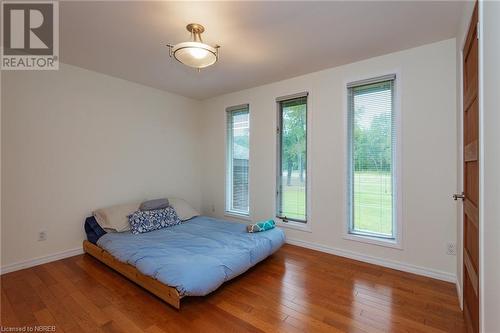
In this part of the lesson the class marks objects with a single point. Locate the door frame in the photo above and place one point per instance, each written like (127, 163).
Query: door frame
(460, 174)
(480, 15)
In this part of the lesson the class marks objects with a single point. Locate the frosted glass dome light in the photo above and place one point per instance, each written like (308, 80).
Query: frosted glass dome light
(195, 53)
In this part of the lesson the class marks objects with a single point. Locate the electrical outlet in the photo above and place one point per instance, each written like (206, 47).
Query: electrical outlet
(42, 235)
(213, 208)
(451, 249)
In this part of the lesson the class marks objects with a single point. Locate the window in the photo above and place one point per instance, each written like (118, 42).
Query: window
(372, 142)
(238, 148)
(292, 159)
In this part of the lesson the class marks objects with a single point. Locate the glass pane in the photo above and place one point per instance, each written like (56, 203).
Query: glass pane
(372, 144)
(293, 159)
(240, 156)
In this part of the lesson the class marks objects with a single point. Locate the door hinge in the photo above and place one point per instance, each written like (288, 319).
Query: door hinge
(277, 130)
(477, 30)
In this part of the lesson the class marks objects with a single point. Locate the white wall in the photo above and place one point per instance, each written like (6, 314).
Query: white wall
(490, 180)
(429, 141)
(462, 31)
(75, 140)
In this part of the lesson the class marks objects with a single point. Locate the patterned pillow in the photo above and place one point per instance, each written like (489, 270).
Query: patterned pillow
(149, 220)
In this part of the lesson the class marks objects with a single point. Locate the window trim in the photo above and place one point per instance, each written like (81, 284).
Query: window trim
(397, 241)
(290, 223)
(228, 186)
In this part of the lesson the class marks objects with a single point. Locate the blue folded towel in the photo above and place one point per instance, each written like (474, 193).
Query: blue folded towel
(261, 226)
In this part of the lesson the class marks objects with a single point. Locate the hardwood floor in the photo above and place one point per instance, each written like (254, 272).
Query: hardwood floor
(295, 290)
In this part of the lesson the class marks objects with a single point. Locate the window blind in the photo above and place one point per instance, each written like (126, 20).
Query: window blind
(238, 155)
(372, 139)
(291, 203)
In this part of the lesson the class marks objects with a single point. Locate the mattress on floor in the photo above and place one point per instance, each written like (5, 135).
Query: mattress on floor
(195, 257)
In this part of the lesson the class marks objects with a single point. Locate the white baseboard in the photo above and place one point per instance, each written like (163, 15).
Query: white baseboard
(432, 273)
(40, 260)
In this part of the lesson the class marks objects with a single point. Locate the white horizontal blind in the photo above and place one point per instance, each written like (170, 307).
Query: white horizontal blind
(372, 140)
(237, 162)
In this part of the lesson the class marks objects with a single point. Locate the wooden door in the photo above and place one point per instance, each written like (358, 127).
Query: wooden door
(471, 177)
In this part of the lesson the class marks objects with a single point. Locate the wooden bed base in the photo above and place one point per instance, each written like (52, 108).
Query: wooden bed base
(166, 293)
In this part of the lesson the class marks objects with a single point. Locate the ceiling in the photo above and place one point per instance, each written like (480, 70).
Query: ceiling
(261, 42)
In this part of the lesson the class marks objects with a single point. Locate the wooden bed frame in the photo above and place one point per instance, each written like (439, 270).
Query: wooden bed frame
(166, 293)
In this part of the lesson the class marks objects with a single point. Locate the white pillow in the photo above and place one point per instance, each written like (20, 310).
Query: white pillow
(115, 218)
(183, 209)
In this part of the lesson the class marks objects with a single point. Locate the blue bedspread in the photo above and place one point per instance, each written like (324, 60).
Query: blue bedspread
(195, 257)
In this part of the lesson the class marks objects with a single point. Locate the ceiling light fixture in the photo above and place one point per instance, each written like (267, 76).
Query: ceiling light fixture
(195, 53)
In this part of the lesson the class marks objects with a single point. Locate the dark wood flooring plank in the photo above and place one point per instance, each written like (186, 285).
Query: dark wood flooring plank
(8, 316)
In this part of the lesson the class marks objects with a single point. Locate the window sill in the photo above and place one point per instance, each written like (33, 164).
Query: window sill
(306, 227)
(392, 243)
(239, 216)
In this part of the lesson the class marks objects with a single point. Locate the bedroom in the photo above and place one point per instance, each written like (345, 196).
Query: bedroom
(346, 124)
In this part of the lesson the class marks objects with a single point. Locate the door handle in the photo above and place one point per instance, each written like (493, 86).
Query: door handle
(457, 196)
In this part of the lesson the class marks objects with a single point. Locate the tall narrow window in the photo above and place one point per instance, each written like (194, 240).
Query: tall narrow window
(238, 148)
(292, 159)
(372, 142)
